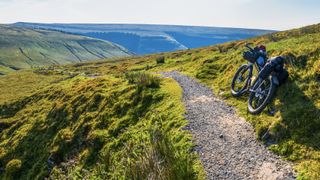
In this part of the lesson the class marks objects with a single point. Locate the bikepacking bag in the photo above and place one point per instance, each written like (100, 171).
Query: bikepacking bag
(275, 65)
(250, 56)
(266, 71)
(282, 76)
(281, 73)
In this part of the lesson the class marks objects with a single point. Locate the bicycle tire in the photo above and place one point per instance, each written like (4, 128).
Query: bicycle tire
(266, 101)
(237, 93)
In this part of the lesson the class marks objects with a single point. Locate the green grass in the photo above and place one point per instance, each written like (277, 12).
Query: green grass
(24, 83)
(107, 127)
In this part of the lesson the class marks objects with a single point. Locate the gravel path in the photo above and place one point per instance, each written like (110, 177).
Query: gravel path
(225, 142)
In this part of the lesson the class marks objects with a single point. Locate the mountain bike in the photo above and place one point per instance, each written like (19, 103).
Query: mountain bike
(243, 76)
(261, 89)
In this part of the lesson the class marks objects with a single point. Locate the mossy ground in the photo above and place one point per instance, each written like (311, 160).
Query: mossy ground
(92, 122)
(102, 127)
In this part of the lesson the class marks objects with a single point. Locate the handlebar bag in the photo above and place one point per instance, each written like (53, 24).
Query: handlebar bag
(250, 56)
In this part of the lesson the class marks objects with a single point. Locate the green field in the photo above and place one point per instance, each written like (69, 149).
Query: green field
(26, 48)
(112, 119)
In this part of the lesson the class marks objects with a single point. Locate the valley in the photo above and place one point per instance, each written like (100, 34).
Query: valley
(148, 39)
(22, 48)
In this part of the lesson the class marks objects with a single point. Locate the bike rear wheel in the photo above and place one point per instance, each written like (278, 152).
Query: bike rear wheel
(261, 95)
(240, 80)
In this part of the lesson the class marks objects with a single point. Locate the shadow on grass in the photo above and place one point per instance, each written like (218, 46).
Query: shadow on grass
(35, 147)
(300, 117)
(61, 133)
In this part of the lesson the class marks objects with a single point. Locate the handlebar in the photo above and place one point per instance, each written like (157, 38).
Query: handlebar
(248, 46)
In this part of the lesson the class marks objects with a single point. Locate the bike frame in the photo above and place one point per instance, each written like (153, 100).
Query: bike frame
(251, 66)
(274, 79)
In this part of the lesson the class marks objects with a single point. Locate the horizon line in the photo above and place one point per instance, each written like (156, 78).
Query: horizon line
(151, 24)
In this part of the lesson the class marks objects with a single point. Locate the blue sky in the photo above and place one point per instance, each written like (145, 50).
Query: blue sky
(268, 14)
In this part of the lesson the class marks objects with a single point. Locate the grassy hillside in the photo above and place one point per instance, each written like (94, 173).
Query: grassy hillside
(147, 39)
(90, 119)
(294, 131)
(25, 48)
(106, 127)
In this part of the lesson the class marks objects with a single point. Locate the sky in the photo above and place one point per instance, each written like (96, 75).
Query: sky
(268, 14)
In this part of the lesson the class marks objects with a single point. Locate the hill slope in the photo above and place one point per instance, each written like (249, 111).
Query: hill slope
(96, 114)
(100, 127)
(25, 48)
(148, 39)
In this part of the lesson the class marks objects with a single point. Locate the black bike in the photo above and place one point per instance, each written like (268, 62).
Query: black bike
(261, 89)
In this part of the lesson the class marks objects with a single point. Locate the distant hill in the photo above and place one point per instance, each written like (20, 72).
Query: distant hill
(148, 39)
(25, 47)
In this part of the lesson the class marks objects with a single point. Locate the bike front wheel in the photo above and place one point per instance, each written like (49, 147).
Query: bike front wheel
(261, 95)
(240, 80)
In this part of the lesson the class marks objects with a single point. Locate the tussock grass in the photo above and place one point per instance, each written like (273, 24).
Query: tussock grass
(143, 80)
(160, 60)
